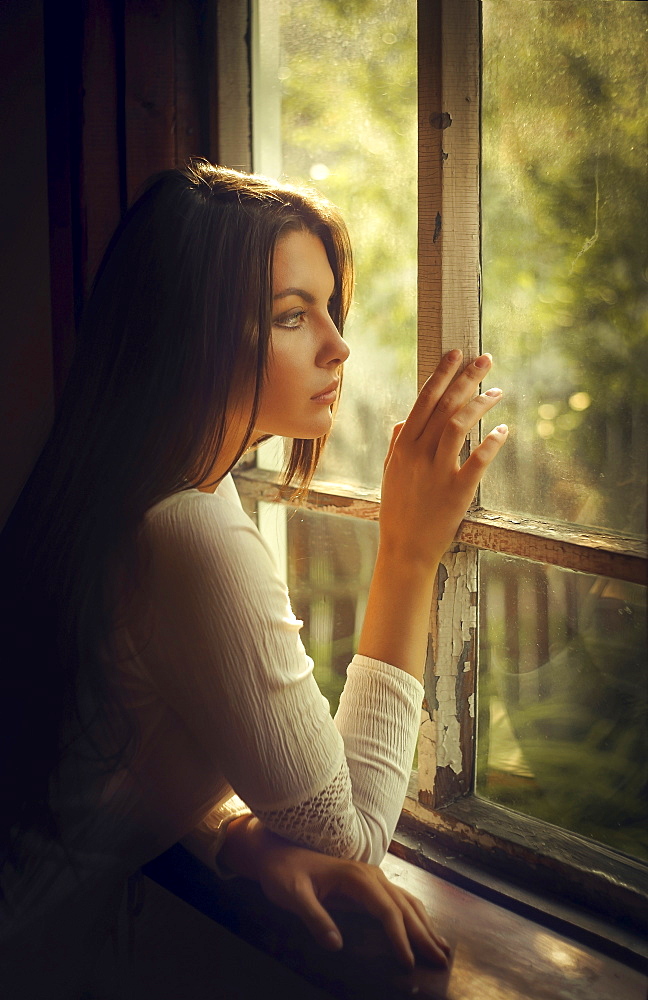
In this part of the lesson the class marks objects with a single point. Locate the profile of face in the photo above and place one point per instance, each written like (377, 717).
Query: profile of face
(306, 350)
(304, 357)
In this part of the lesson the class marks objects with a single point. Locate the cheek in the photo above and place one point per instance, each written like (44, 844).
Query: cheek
(286, 371)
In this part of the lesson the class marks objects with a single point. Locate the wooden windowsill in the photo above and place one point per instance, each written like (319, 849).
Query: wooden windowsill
(497, 953)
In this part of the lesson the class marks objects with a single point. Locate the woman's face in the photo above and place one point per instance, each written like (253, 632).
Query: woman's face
(306, 350)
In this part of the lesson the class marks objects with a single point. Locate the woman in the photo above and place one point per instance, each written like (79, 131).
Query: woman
(160, 662)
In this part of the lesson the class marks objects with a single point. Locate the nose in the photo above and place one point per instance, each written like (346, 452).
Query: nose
(334, 350)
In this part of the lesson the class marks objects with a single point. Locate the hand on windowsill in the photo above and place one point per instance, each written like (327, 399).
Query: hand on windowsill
(302, 881)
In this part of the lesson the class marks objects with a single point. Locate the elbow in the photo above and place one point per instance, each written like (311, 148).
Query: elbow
(374, 841)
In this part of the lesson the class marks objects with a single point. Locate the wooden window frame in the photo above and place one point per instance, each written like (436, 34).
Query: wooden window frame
(441, 813)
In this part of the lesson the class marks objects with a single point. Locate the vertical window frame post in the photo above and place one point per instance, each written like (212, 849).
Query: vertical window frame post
(449, 316)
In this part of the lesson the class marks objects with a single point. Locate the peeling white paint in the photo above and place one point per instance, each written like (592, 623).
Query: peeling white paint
(427, 754)
(457, 616)
(448, 732)
(471, 705)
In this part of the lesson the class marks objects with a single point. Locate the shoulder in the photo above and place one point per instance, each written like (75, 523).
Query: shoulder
(196, 518)
(205, 536)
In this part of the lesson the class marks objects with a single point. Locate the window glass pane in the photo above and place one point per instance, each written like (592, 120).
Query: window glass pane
(330, 561)
(565, 228)
(562, 699)
(335, 107)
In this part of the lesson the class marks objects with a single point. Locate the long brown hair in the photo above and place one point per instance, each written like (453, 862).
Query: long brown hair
(181, 304)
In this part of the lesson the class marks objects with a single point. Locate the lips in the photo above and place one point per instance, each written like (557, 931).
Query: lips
(327, 395)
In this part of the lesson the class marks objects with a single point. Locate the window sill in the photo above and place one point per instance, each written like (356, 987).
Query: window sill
(498, 950)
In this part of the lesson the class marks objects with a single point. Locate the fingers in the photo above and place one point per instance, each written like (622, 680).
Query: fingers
(380, 904)
(422, 934)
(404, 919)
(474, 466)
(305, 904)
(431, 393)
(456, 396)
(461, 423)
(394, 438)
(302, 881)
(442, 396)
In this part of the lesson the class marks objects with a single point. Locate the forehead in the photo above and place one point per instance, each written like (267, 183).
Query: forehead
(300, 260)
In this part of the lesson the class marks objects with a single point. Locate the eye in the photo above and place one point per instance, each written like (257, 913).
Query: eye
(290, 320)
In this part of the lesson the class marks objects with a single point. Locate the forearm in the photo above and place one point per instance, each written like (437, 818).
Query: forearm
(395, 628)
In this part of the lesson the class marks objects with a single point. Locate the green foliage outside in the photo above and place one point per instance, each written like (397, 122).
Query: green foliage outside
(565, 270)
(565, 224)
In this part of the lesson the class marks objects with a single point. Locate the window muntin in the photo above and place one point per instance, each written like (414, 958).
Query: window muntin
(564, 223)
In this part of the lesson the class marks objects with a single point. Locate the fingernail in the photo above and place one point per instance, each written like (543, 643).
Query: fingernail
(484, 361)
(493, 392)
(333, 940)
(502, 428)
(454, 354)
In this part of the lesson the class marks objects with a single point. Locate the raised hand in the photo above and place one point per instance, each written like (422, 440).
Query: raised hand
(425, 490)
(425, 495)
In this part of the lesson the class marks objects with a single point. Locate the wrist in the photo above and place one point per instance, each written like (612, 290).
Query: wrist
(410, 569)
(396, 623)
(240, 848)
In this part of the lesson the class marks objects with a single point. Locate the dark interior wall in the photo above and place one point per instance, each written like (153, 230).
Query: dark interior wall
(25, 327)
(96, 95)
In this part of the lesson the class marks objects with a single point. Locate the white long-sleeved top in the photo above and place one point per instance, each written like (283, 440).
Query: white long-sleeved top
(212, 670)
(226, 698)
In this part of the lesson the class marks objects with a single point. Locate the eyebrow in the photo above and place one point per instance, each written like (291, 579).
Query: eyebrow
(306, 296)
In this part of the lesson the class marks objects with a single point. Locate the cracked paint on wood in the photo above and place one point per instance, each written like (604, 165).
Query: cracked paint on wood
(449, 686)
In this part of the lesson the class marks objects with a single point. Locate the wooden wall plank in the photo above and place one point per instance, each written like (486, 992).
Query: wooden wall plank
(25, 298)
(149, 90)
(191, 125)
(101, 197)
(63, 42)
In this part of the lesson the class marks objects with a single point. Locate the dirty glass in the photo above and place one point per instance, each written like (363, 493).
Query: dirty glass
(565, 269)
(335, 107)
(562, 704)
(327, 561)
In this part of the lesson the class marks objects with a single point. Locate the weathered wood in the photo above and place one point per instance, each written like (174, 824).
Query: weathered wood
(585, 550)
(430, 152)
(100, 194)
(497, 954)
(191, 126)
(448, 263)
(149, 90)
(233, 145)
(63, 88)
(528, 852)
(460, 178)
(500, 954)
(335, 497)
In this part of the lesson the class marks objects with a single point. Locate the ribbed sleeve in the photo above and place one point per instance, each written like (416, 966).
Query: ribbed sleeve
(378, 719)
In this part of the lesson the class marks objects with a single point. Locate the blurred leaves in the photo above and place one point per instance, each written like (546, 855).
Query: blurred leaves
(565, 225)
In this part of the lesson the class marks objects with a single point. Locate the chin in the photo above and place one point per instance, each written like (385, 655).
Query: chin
(305, 432)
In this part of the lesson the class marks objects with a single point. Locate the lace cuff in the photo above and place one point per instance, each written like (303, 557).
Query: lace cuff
(327, 822)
